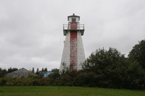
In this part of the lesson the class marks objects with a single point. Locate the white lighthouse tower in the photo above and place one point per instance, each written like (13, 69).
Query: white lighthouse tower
(73, 52)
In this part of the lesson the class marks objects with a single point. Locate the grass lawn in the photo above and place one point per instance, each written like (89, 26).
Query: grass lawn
(64, 91)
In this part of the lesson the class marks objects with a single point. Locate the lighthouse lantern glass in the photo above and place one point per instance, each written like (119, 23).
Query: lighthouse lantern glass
(73, 19)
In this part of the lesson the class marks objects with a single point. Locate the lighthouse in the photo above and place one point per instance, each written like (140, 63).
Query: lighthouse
(73, 52)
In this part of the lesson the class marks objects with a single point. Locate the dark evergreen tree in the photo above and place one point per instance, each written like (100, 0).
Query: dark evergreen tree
(33, 70)
(45, 69)
(12, 69)
(42, 70)
(37, 71)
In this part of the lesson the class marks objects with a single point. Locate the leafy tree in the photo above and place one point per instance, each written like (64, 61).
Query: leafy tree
(138, 53)
(55, 74)
(134, 76)
(102, 59)
(31, 76)
(112, 70)
(106, 65)
(41, 75)
(3, 72)
(55, 70)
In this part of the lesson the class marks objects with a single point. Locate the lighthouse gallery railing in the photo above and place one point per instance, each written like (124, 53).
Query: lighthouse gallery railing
(79, 27)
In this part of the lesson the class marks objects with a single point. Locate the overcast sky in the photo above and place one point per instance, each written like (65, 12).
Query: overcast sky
(31, 31)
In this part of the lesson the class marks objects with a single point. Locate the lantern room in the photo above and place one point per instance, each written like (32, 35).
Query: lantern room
(73, 18)
(73, 25)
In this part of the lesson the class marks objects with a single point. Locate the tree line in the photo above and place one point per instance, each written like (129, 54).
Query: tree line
(3, 72)
(103, 68)
(108, 68)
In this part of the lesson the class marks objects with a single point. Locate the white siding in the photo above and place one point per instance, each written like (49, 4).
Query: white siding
(77, 19)
(70, 20)
(80, 50)
(66, 52)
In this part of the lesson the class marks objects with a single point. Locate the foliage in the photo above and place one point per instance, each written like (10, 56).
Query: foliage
(12, 69)
(113, 70)
(31, 76)
(101, 60)
(40, 75)
(55, 70)
(3, 72)
(103, 68)
(55, 74)
(37, 71)
(86, 79)
(138, 53)
(134, 76)
(45, 70)
(33, 70)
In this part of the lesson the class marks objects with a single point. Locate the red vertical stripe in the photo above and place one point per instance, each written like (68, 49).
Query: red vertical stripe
(73, 46)
(73, 49)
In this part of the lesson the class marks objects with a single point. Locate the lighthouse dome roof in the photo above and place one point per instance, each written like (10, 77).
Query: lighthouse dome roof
(73, 16)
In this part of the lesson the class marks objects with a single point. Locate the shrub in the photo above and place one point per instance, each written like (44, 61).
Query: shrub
(85, 79)
(3, 81)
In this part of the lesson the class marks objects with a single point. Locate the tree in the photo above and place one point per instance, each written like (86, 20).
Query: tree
(3, 72)
(42, 70)
(55, 74)
(138, 53)
(37, 71)
(12, 69)
(111, 69)
(55, 70)
(33, 70)
(102, 59)
(45, 69)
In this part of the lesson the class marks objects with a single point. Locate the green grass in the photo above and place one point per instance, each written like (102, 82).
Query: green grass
(64, 91)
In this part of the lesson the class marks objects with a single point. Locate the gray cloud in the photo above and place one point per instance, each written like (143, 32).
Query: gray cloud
(31, 33)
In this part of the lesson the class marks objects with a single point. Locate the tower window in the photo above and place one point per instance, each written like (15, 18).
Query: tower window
(73, 19)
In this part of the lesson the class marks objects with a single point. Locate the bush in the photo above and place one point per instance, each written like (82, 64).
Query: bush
(3, 81)
(85, 79)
